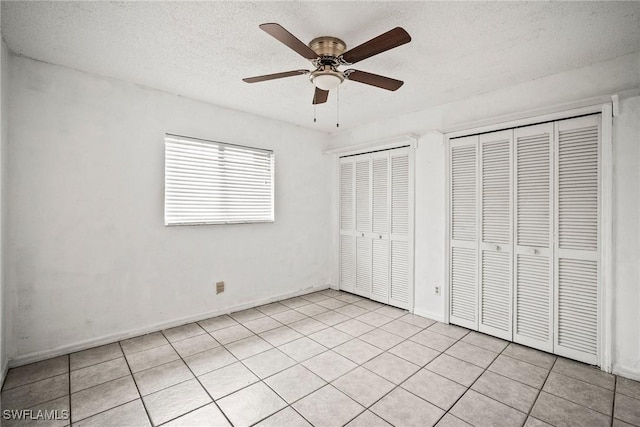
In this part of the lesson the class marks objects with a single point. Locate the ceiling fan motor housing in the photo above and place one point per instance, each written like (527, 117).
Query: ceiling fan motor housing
(328, 46)
(326, 76)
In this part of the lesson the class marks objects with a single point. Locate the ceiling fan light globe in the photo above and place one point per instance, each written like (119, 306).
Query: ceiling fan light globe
(326, 81)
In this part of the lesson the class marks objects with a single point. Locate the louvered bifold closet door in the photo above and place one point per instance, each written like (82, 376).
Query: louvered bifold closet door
(533, 201)
(380, 270)
(363, 225)
(463, 228)
(495, 234)
(401, 240)
(347, 225)
(577, 189)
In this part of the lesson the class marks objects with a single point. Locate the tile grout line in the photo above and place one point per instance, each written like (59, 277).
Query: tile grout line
(262, 380)
(352, 338)
(199, 382)
(541, 387)
(124, 356)
(379, 327)
(474, 381)
(549, 370)
(467, 388)
(280, 410)
(578, 403)
(168, 342)
(96, 364)
(327, 383)
(613, 401)
(69, 373)
(396, 386)
(120, 404)
(109, 409)
(300, 363)
(287, 404)
(513, 379)
(136, 384)
(31, 382)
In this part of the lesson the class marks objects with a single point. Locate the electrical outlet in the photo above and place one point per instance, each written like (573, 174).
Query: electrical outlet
(437, 290)
(219, 287)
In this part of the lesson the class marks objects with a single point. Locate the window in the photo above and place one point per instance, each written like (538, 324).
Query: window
(208, 182)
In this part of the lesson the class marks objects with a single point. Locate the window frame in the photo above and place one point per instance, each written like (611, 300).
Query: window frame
(171, 138)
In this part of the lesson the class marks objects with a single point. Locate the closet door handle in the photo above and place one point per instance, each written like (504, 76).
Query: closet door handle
(380, 236)
(361, 234)
(534, 251)
(497, 247)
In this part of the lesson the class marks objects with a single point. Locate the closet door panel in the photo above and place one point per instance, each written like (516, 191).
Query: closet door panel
(577, 200)
(401, 279)
(400, 275)
(495, 187)
(463, 158)
(347, 263)
(363, 265)
(347, 208)
(495, 234)
(380, 286)
(532, 316)
(347, 247)
(380, 202)
(400, 193)
(363, 193)
(463, 226)
(533, 200)
(381, 269)
(363, 224)
(495, 294)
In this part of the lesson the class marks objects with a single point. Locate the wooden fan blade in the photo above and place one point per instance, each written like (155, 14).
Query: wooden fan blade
(374, 80)
(320, 96)
(274, 76)
(284, 36)
(394, 38)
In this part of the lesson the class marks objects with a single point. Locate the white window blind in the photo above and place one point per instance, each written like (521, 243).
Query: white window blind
(209, 182)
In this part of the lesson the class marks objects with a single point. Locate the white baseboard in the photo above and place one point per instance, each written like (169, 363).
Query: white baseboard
(626, 372)
(108, 339)
(428, 314)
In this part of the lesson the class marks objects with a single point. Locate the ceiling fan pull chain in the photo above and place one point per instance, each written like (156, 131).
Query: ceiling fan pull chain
(338, 107)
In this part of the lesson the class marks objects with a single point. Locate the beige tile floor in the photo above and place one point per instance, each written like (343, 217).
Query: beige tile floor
(324, 359)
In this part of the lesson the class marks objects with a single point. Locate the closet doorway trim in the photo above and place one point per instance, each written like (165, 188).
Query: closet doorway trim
(409, 140)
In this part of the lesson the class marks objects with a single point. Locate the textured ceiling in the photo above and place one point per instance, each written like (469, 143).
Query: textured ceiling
(202, 49)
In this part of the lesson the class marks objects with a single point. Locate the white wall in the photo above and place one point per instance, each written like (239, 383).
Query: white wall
(626, 244)
(89, 259)
(598, 79)
(429, 225)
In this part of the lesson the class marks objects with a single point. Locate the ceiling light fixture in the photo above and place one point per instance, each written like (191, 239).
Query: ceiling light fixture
(326, 79)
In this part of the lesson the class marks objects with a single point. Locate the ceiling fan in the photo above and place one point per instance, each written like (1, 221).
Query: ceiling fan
(328, 53)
